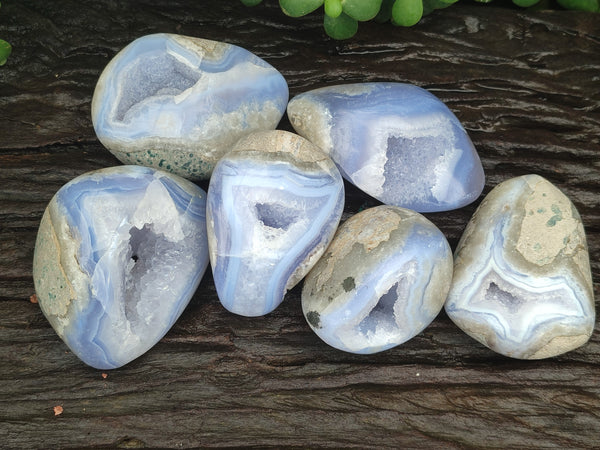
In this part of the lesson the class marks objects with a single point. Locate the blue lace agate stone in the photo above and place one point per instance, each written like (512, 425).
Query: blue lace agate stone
(396, 142)
(522, 279)
(119, 254)
(382, 280)
(274, 203)
(179, 103)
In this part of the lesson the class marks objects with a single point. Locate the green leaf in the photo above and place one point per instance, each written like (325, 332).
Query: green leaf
(431, 5)
(5, 50)
(333, 8)
(361, 9)
(251, 2)
(342, 27)
(299, 8)
(385, 13)
(407, 13)
(525, 3)
(542, 5)
(581, 5)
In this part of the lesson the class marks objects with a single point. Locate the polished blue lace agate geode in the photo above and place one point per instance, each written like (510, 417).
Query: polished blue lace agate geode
(381, 281)
(396, 142)
(522, 280)
(119, 254)
(274, 203)
(179, 103)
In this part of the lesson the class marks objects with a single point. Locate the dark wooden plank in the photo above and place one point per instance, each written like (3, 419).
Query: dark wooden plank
(526, 86)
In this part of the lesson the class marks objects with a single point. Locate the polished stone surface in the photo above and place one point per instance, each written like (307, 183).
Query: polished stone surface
(179, 103)
(118, 256)
(522, 280)
(274, 203)
(383, 279)
(396, 142)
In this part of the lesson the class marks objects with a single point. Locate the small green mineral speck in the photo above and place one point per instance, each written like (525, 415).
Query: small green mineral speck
(348, 284)
(541, 210)
(537, 247)
(363, 207)
(556, 217)
(314, 318)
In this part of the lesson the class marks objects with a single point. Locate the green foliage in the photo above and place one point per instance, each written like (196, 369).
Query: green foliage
(431, 5)
(525, 3)
(407, 13)
(581, 5)
(333, 8)
(361, 10)
(298, 8)
(385, 13)
(341, 17)
(340, 27)
(5, 49)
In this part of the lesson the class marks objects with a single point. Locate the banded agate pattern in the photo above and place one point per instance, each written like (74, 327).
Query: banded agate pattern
(179, 103)
(119, 254)
(522, 279)
(396, 142)
(274, 203)
(383, 279)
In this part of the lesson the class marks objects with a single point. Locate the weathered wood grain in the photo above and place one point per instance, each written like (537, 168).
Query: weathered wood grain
(527, 88)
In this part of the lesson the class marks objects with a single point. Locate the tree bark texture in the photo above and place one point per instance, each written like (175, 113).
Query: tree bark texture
(526, 86)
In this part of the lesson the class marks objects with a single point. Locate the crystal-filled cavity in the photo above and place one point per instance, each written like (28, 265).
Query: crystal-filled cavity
(118, 256)
(522, 279)
(274, 203)
(179, 103)
(396, 142)
(383, 279)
